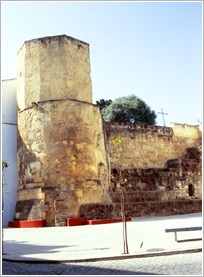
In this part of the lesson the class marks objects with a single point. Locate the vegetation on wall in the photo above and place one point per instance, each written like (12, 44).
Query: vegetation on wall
(4, 166)
(130, 109)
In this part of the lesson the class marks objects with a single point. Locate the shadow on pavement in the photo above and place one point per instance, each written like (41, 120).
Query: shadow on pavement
(63, 269)
(30, 249)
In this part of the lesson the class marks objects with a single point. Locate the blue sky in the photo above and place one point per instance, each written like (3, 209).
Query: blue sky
(150, 49)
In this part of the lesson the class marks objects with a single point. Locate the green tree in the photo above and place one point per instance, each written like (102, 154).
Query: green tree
(130, 109)
(103, 103)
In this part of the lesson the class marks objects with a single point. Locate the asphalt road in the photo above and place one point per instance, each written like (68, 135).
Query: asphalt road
(180, 264)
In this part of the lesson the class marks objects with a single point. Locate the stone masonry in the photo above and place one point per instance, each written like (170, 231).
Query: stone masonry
(65, 152)
(62, 162)
(175, 188)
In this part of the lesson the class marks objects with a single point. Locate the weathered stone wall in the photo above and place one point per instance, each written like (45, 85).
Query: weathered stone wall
(161, 172)
(140, 209)
(176, 189)
(62, 142)
(148, 146)
(169, 183)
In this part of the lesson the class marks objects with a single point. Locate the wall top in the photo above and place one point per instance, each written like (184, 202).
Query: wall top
(176, 129)
(139, 128)
(185, 130)
(49, 39)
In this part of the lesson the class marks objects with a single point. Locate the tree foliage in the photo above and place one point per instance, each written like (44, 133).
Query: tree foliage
(130, 109)
(103, 103)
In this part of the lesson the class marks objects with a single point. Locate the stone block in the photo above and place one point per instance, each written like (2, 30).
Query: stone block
(38, 180)
(34, 185)
(27, 194)
(174, 163)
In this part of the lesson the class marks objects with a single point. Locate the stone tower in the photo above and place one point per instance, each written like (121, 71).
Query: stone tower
(62, 160)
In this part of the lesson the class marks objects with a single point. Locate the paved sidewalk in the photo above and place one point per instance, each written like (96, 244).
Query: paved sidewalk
(98, 242)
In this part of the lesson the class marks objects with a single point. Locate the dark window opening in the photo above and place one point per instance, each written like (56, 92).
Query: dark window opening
(191, 190)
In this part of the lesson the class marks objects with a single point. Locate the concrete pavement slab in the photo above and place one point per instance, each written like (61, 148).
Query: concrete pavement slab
(91, 242)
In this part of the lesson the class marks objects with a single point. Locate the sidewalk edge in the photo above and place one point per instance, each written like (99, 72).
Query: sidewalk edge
(121, 257)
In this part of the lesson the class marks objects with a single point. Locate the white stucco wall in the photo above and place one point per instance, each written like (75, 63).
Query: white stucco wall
(9, 147)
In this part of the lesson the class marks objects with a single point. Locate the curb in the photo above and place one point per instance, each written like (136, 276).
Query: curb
(121, 257)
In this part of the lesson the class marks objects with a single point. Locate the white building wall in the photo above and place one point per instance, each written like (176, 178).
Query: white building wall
(9, 147)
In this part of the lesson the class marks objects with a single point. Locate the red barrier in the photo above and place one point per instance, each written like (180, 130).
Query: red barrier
(82, 221)
(105, 221)
(76, 221)
(27, 223)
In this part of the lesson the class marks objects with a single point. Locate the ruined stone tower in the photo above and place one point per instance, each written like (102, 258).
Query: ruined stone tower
(66, 161)
(62, 161)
